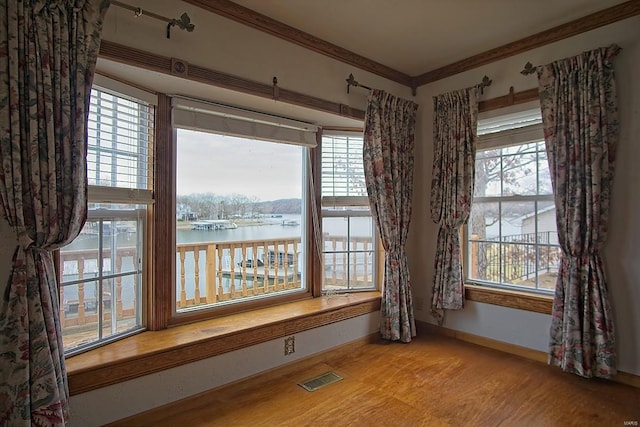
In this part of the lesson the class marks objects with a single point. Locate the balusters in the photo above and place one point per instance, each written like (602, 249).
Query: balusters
(183, 290)
(243, 270)
(276, 262)
(334, 273)
(81, 315)
(296, 282)
(265, 265)
(232, 271)
(254, 253)
(118, 295)
(365, 264)
(345, 268)
(236, 269)
(210, 255)
(220, 275)
(285, 265)
(196, 264)
(354, 254)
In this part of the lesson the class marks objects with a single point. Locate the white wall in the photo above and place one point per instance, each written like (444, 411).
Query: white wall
(621, 252)
(125, 399)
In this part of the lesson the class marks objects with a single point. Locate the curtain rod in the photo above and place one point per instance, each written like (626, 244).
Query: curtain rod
(486, 82)
(351, 81)
(183, 23)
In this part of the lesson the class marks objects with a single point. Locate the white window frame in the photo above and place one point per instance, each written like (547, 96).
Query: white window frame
(135, 198)
(347, 207)
(498, 134)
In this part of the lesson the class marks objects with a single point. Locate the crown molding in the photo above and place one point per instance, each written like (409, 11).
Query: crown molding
(243, 15)
(590, 22)
(261, 22)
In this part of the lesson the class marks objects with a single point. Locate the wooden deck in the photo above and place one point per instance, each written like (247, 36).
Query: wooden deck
(434, 380)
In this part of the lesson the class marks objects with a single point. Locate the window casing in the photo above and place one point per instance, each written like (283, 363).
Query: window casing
(511, 236)
(350, 246)
(103, 271)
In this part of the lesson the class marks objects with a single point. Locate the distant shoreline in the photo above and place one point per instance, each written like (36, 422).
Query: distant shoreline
(188, 225)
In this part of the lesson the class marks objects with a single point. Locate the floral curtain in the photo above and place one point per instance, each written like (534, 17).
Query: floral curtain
(579, 114)
(454, 139)
(48, 51)
(388, 167)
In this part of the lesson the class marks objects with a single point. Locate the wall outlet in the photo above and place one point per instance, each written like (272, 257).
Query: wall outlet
(419, 303)
(289, 345)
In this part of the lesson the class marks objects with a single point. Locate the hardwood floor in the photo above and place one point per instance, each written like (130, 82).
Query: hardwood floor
(434, 380)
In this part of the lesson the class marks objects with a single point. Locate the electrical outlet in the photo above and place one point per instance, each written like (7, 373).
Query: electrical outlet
(289, 345)
(419, 303)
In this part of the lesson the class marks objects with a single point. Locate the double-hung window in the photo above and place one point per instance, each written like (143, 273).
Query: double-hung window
(242, 228)
(103, 271)
(350, 247)
(511, 236)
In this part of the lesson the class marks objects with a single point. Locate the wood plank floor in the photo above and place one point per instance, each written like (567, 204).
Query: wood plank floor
(434, 380)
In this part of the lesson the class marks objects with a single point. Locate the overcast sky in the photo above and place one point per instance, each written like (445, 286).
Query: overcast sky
(209, 163)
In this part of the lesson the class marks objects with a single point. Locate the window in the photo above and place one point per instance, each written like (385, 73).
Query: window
(512, 239)
(102, 272)
(349, 239)
(241, 206)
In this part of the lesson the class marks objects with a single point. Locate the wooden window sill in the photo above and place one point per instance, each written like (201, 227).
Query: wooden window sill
(509, 298)
(155, 351)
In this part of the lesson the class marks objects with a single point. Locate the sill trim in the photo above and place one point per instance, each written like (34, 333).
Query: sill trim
(154, 351)
(509, 298)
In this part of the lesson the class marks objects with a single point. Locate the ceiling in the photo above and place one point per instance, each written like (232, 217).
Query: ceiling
(417, 36)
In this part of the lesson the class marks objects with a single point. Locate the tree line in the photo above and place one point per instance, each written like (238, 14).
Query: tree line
(214, 206)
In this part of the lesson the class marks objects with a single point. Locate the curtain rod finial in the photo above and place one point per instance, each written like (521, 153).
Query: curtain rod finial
(528, 69)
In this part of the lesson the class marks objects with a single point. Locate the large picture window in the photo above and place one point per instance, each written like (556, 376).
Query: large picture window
(512, 238)
(102, 272)
(350, 249)
(241, 205)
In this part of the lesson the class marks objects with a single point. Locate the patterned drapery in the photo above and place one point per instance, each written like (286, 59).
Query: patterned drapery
(454, 139)
(579, 115)
(48, 51)
(388, 166)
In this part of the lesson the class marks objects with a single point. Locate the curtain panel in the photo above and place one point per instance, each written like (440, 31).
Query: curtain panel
(389, 134)
(454, 138)
(579, 114)
(48, 51)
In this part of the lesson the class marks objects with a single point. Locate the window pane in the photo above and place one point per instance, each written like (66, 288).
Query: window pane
(488, 172)
(512, 239)
(101, 295)
(342, 166)
(484, 222)
(544, 176)
(519, 174)
(120, 132)
(349, 260)
(78, 314)
(239, 216)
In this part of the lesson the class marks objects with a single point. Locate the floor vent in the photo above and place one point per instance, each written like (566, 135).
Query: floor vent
(320, 381)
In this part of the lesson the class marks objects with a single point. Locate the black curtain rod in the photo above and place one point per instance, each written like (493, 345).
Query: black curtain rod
(183, 23)
(351, 81)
